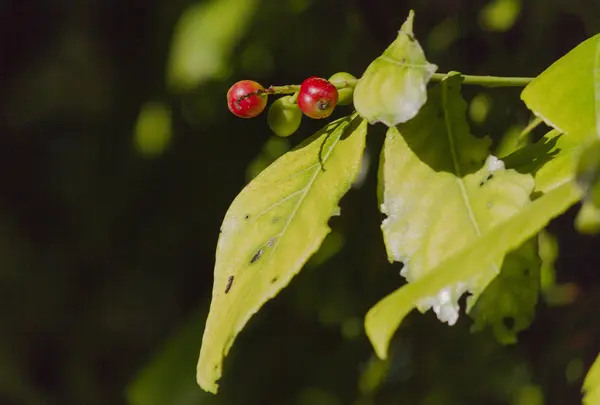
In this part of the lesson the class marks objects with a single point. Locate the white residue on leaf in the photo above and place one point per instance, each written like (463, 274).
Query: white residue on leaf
(494, 164)
(445, 303)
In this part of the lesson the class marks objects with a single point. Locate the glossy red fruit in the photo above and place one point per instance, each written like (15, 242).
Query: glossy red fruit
(317, 97)
(242, 100)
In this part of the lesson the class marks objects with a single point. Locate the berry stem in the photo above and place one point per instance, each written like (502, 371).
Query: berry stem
(295, 88)
(485, 81)
(488, 81)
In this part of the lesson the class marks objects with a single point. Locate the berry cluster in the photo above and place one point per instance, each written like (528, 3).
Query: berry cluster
(316, 98)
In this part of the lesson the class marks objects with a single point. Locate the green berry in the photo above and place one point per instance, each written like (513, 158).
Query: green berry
(345, 94)
(284, 116)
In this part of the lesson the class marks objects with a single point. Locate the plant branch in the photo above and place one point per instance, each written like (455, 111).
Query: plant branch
(488, 81)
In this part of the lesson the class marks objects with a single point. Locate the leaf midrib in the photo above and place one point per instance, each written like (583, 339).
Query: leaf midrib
(457, 170)
(307, 187)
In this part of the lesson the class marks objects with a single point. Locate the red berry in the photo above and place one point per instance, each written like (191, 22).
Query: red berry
(243, 101)
(317, 97)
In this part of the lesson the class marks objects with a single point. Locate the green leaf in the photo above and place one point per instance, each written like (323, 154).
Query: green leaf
(548, 251)
(203, 40)
(588, 172)
(508, 304)
(591, 385)
(440, 194)
(385, 317)
(567, 97)
(169, 377)
(588, 219)
(588, 178)
(567, 94)
(393, 88)
(271, 229)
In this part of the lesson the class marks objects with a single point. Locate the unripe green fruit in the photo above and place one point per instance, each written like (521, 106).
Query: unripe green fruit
(345, 94)
(284, 116)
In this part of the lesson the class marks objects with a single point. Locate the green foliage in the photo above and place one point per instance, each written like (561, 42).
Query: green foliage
(459, 219)
(169, 377)
(567, 96)
(153, 129)
(588, 178)
(564, 95)
(508, 303)
(591, 385)
(393, 88)
(385, 317)
(121, 158)
(272, 228)
(441, 191)
(499, 15)
(200, 50)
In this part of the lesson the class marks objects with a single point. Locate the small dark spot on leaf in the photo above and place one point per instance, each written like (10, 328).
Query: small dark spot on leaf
(275, 220)
(274, 280)
(229, 284)
(535, 195)
(247, 216)
(257, 255)
(509, 322)
(488, 178)
(216, 367)
(411, 37)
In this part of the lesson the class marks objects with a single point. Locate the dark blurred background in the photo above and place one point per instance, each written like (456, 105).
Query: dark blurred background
(119, 159)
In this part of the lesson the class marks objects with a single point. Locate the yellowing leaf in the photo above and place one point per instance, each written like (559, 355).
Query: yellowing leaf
(440, 194)
(385, 317)
(272, 228)
(393, 88)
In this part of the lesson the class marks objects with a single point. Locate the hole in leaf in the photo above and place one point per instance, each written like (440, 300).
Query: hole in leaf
(509, 322)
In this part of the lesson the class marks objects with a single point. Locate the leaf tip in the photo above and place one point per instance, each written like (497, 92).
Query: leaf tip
(378, 341)
(407, 27)
(207, 384)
